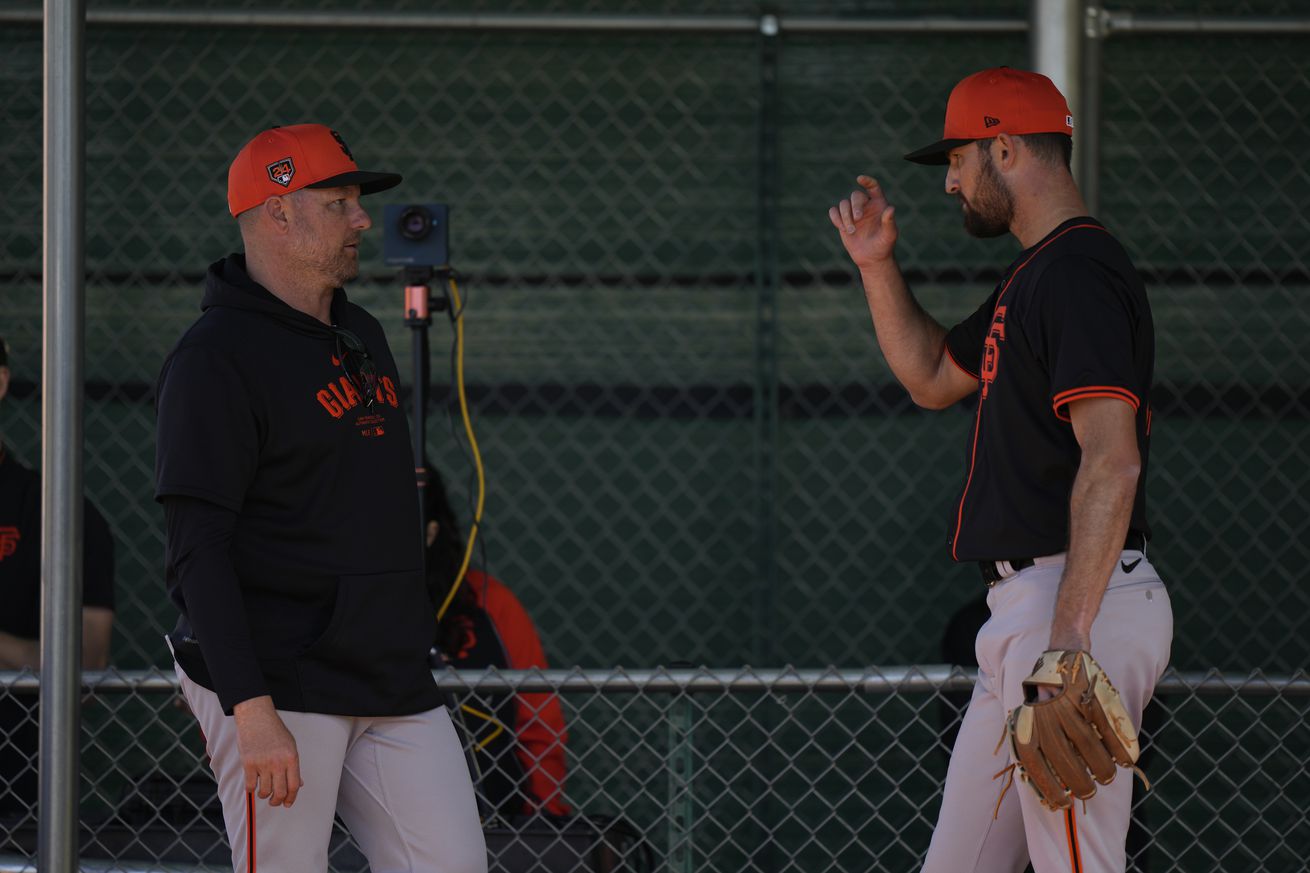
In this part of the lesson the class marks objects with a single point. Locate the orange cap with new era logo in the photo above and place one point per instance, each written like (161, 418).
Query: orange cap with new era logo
(999, 100)
(285, 159)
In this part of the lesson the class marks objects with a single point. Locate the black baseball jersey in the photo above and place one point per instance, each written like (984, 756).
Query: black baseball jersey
(1069, 320)
(20, 612)
(20, 552)
(294, 552)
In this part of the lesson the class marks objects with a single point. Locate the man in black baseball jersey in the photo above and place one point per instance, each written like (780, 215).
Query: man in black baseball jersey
(20, 613)
(294, 555)
(1052, 503)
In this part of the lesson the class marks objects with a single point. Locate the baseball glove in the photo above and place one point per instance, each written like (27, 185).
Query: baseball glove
(1064, 745)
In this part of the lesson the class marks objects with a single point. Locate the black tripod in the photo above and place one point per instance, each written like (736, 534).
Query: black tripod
(420, 303)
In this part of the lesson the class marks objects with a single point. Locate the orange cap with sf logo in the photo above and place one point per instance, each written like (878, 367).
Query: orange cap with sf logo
(999, 100)
(285, 159)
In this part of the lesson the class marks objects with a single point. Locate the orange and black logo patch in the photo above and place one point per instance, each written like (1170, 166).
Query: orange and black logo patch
(281, 171)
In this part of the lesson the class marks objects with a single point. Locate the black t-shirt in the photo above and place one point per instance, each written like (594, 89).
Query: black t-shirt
(1069, 320)
(313, 590)
(20, 552)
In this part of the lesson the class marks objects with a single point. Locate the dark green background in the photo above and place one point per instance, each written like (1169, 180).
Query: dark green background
(695, 451)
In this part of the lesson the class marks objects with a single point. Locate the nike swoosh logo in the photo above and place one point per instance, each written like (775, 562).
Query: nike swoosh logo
(1130, 567)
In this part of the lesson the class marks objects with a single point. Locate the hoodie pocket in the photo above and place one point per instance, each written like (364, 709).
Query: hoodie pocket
(374, 652)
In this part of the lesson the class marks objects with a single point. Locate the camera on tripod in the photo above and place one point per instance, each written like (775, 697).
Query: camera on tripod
(417, 235)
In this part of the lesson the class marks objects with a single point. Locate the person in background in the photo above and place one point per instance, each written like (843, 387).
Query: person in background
(519, 760)
(20, 610)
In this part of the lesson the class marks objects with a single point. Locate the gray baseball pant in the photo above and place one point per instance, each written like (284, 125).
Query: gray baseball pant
(1131, 637)
(399, 783)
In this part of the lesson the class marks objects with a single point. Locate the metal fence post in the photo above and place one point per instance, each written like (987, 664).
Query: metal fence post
(1056, 48)
(1087, 149)
(61, 435)
(766, 349)
(681, 802)
(766, 344)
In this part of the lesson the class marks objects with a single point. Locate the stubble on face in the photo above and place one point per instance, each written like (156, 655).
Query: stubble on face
(991, 210)
(321, 239)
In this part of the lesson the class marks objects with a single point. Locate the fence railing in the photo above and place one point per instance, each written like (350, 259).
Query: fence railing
(724, 769)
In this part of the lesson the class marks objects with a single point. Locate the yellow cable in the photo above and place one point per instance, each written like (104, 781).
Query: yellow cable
(477, 713)
(458, 312)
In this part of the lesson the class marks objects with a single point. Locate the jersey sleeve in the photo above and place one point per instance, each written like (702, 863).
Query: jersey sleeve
(1087, 334)
(539, 719)
(206, 432)
(964, 342)
(97, 559)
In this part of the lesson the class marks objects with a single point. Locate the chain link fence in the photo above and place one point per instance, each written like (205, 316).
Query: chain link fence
(695, 450)
(744, 770)
(679, 396)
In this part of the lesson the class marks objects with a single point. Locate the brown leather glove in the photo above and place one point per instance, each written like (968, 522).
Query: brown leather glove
(1064, 745)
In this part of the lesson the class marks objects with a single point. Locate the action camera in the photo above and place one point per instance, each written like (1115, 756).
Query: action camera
(417, 235)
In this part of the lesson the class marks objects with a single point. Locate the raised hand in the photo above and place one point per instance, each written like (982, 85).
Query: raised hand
(866, 222)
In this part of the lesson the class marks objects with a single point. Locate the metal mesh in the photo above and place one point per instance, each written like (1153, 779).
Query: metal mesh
(744, 770)
(1224, 232)
(695, 450)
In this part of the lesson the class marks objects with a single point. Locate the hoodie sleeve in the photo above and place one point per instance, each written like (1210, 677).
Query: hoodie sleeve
(198, 561)
(206, 432)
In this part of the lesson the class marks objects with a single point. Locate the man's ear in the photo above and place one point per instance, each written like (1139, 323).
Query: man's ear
(1004, 151)
(277, 210)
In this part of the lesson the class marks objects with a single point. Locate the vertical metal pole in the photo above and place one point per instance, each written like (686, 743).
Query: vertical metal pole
(1087, 142)
(61, 436)
(681, 804)
(1056, 49)
(766, 347)
(766, 404)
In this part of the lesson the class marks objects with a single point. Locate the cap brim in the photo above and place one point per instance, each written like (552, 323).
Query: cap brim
(935, 154)
(369, 183)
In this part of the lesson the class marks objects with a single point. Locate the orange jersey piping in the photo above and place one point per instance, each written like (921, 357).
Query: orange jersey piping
(959, 366)
(1071, 829)
(1064, 398)
(250, 832)
(977, 422)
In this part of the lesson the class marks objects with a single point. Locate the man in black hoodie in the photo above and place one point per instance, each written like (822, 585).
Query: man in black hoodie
(285, 468)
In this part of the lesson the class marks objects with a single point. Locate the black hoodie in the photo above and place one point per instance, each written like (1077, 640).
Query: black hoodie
(294, 551)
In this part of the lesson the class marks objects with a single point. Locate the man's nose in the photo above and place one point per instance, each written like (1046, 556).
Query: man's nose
(952, 182)
(361, 219)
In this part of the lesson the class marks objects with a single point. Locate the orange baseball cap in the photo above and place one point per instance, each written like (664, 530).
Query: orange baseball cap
(285, 159)
(999, 100)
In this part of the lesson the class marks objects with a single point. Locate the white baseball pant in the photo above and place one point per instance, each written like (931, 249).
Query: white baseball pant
(399, 783)
(1131, 637)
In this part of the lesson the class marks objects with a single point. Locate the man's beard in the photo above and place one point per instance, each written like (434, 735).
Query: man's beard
(332, 266)
(992, 209)
(345, 269)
